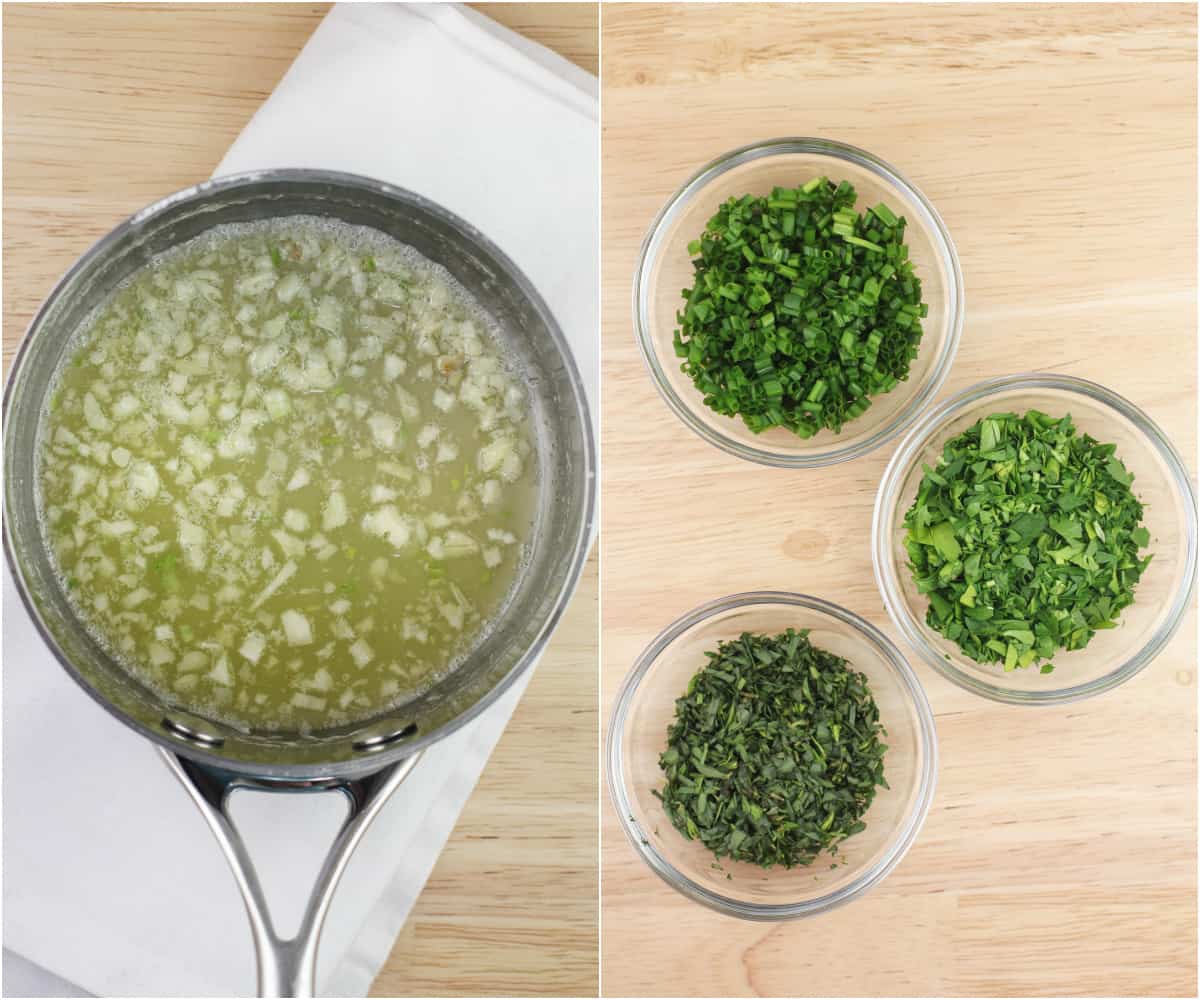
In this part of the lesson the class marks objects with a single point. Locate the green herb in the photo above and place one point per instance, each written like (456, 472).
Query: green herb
(775, 753)
(1025, 538)
(802, 308)
(276, 258)
(368, 263)
(164, 568)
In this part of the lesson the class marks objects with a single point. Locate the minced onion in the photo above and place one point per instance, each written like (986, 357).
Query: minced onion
(287, 475)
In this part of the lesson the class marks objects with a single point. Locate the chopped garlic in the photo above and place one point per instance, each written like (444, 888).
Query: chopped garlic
(159, 654)
(192, 539)
(174, 410)
(220, 672)
(252, 647)
(115, 529)
(82, 477)
(492, 455)
(490, 492)
(459, 543)
(384, 430)
(126, 406)
(428, 434)
(193, 660)
(287, 571)
(277, 403)
(289, 287)
(299, 479)
(197, 454)
(393, 367)
(289, 545)
(143, 480)
(388, 523)
(94, 416)
(336, 513)
(136, 597)
(296, 628)
(329, 314)
(361, 653)
(295, 520)
(453, 614)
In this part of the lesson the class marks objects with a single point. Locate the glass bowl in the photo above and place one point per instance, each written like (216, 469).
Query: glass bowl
(665, 269)
(645, 708)
(1160, 481)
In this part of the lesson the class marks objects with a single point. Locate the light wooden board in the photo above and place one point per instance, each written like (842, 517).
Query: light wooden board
(1059, 144)
(108, 108)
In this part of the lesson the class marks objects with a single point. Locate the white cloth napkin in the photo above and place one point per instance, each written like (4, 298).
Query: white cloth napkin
(112, 880)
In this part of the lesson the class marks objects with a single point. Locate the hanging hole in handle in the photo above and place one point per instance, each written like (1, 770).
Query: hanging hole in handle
(191, 735)
(372, 743)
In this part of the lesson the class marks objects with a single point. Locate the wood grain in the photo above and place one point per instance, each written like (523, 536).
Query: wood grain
(1059, 145)
(570, 29)
(107, 108)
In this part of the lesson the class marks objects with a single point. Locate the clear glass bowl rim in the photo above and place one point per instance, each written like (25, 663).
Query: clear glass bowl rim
(927, 735)
(889, 587)
(652, 245)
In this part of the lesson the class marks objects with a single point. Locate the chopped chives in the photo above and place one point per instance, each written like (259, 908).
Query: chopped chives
(884, 214)
(801, 308)
(863, 243)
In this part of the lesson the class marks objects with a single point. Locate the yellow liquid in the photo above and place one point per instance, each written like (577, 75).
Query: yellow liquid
(286, 476)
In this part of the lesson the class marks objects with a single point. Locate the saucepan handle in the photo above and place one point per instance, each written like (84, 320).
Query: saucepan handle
(286, 966)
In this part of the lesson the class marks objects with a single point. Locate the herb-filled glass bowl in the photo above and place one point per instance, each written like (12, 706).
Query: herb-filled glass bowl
(645, 709)
(665, 268)
(1160, 482)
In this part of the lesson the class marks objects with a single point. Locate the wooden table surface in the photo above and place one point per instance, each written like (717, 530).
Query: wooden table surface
(108, 108)
(1059, 144)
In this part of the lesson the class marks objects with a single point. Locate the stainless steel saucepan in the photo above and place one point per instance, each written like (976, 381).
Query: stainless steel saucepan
(365, 761)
